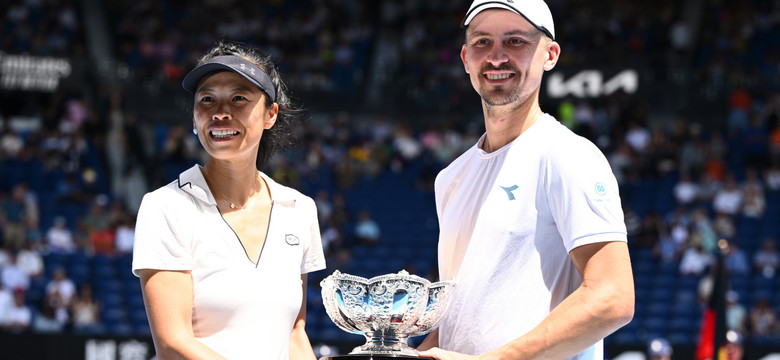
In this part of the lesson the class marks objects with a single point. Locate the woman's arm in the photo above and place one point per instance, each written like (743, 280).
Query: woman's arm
(300, 347)
(168, 300)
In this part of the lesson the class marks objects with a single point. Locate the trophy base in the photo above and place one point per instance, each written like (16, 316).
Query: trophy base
(370, 357)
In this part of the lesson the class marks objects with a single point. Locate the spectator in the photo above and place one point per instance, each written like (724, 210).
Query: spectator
(19, 318)
(728, 200)
(753, 181)
(659, 349)
(366, 230)
(709, 186)
(650, 231)
(14, 213)
(695, 261)
(6, 302)
(30, 260)
(407, 145)
(767, 259)
(704, 231)
(332, 237)
(638, 137)
(13, 276)
(772, 174)
(61, 285)
(10, 143)
(693, 154)
(763, 320)
(667, 250)
(59, 238)
(102, 241)
(59, 295)
(734, 349)
(125, 235)
(736, 314)
(680, 232)
(5, 256)
(753, 203)
(86, 311)
(324, 206)
(45, 321)
(98, 217)
(686, 191)
(736, 261)
(724, 227)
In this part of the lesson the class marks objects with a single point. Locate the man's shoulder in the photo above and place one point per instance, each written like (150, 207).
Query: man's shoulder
(460, 161)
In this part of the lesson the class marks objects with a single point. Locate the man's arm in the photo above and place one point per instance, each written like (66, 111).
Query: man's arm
(431, 341)
(602, 304)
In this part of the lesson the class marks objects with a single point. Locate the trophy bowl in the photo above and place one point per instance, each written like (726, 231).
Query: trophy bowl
(386, 309)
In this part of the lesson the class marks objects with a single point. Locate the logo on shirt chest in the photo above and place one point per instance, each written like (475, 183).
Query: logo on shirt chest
(291, 240)
(509, 190)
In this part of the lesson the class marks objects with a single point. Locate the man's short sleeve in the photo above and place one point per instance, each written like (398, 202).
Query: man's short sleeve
(583, 195)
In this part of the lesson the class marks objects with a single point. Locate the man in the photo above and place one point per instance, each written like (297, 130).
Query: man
(733, 347)
(659, 349)
(531, 222)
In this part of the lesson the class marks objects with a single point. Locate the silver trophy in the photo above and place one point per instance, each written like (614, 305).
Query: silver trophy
(386, 309)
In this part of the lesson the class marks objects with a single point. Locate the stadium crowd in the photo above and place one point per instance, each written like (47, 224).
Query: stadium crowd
(71, 186)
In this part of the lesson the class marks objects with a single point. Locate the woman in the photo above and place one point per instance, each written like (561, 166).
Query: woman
(223, 251)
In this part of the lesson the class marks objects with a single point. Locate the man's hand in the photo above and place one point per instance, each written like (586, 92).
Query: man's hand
(440, 354)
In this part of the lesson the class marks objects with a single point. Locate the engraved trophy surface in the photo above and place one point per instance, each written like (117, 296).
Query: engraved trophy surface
(386, 309)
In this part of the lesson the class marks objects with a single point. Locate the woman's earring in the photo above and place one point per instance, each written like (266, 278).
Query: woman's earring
(194, 131)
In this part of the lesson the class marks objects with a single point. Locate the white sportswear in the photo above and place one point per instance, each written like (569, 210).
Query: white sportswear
(508, 220)
(239, 309)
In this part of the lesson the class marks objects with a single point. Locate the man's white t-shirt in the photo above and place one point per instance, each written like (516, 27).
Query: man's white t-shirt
(240, 310)
(508, 220)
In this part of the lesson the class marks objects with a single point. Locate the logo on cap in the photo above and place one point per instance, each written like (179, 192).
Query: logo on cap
(243, 67)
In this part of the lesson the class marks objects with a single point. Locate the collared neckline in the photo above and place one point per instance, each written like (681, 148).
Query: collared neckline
(194, 183)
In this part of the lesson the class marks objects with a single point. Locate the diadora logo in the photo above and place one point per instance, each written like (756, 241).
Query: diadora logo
(509, 191)
(291, 239)
(601, 189)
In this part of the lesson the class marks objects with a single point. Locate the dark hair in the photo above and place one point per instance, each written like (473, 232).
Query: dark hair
(279, 136)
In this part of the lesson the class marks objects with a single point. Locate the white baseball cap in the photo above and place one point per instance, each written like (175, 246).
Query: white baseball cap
(535, 11)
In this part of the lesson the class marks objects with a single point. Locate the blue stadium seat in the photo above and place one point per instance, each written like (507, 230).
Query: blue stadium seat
(138, 317)
(112, 315)
(622, 337)
(119, 329)
(330, 334)
(686, 297)
(135, 302)
(759, 282)
(683, 338)
(142, 330)
(78, 273)
(661, 294)
(655, 324)
(682, 324)
(658, 309)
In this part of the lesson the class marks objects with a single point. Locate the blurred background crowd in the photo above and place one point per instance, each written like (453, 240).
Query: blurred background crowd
(696, 149)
